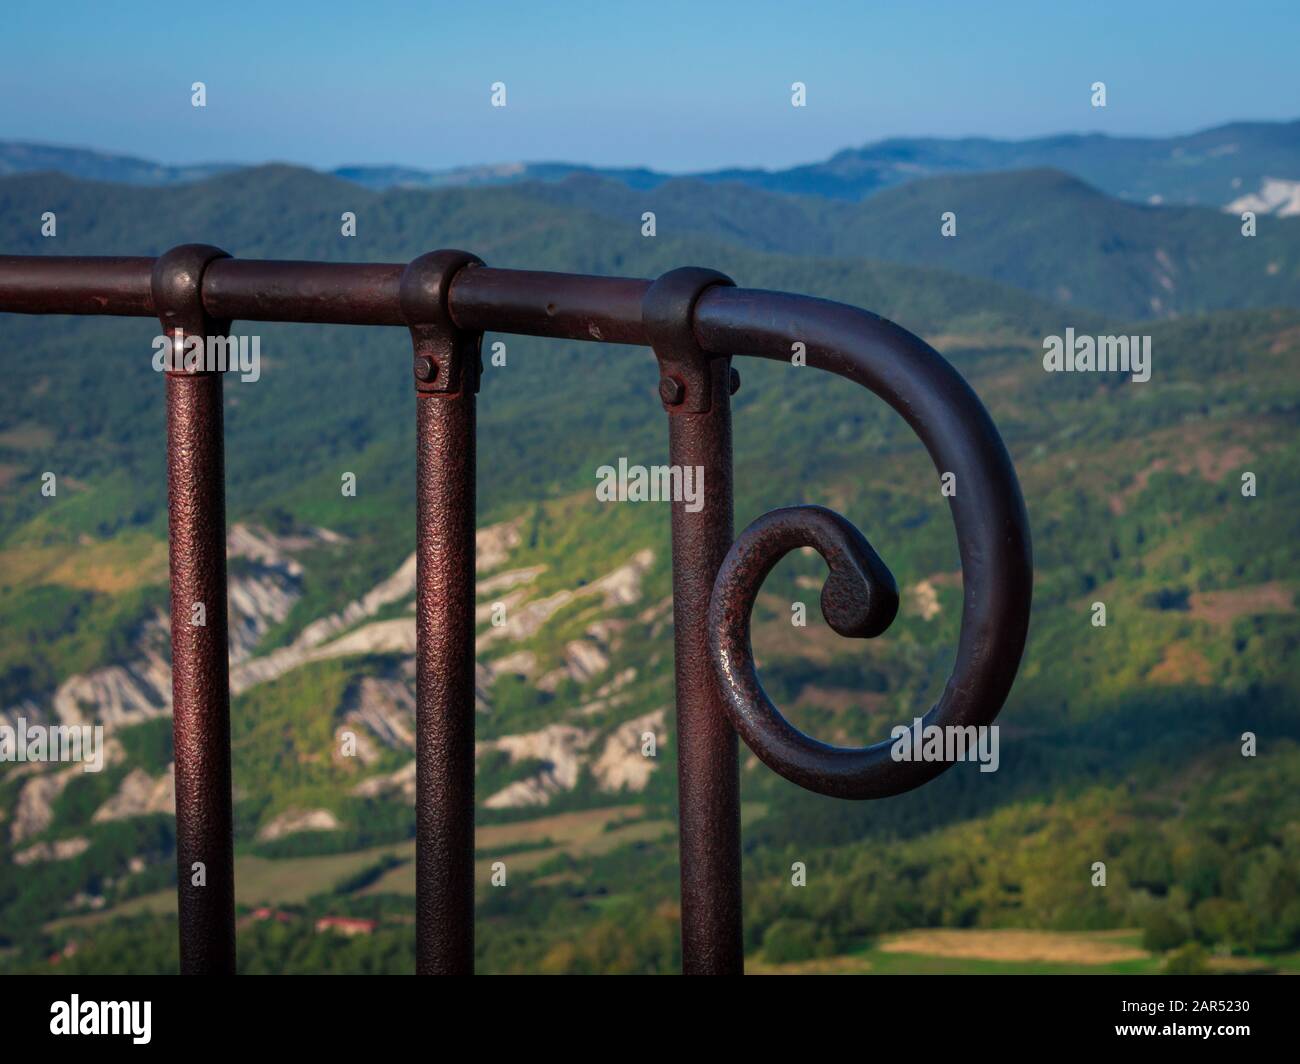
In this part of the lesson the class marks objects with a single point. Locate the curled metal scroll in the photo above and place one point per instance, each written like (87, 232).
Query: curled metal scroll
(859, 597)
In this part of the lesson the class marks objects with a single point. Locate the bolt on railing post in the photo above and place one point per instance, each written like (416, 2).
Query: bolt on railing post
(696, 394)
(196, 506)
(446, 370)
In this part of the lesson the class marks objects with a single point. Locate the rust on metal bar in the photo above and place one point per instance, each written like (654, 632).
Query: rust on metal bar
(335, 293)
(66, 284)
(563, 305)
(696, 394)
(446, 368)
(196, 506)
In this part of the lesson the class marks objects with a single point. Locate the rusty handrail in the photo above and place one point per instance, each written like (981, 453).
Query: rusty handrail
(694, 320)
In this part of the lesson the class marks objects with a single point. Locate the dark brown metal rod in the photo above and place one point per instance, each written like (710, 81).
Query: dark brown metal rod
(565, 305)
(200, 685)
(196, 513)
(445, 468)
(708, 780)
(362, 293)
(62, 284)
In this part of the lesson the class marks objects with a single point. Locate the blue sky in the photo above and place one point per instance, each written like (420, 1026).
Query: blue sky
(672, 85)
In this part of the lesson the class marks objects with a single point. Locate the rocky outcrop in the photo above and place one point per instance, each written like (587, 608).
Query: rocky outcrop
(1276, 195)
(510, 578)
(922, 600)
(58, 850)
(130, 692)
(325, 638)
(34, 810)
(559, 746)
(293, 821)
(378, 710)
(564, 750)
(139, 795)
(585, 659)
(386, 707)
(520, 663)
(622, 765)
(114, 696)
(257, 601)
(400, 784)
(273, 551)
(494, 545)
(621, 587)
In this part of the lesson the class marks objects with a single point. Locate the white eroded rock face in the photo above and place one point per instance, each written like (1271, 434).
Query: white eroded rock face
(257, 602)
(295, 820)
(58, 850)
(385, 706)
(1275, 196)
(34, 811)
(622, 765)
(565, 750)
(325, 638)
(560, 746)
(400, 784)
(130, 692)
(378, 709)
(140, 794)
(494, 544)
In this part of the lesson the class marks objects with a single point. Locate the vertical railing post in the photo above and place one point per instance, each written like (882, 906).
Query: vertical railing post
(196, 506)
(696, 393)
(446, 369)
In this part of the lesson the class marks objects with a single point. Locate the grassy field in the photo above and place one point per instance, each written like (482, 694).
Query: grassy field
(524, 846)
(935, 951)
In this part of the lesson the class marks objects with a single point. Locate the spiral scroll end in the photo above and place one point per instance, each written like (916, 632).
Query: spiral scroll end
(860, 596)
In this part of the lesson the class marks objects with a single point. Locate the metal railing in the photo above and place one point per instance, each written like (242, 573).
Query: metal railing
(694, 320)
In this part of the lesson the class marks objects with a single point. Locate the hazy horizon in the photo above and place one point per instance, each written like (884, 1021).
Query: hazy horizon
(609, 90)
(632, 165)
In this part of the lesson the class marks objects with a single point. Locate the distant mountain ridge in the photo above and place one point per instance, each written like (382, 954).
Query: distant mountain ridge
(1042, 231)
(20, 157)
(1212, 167)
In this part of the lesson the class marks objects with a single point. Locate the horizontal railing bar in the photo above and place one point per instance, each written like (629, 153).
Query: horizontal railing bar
(327, 293)
(568, 306)
(44, 284)
(562, 305)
